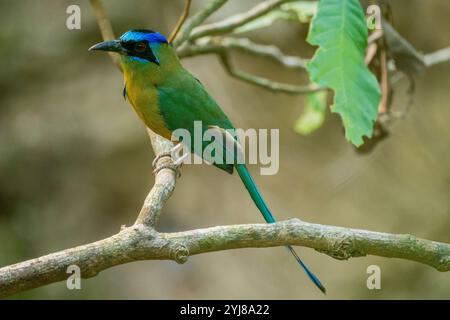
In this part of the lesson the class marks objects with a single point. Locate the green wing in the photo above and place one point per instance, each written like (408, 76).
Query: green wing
(183, 100)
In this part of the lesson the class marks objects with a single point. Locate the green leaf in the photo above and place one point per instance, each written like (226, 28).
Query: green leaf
(314, 113)
(340, 31)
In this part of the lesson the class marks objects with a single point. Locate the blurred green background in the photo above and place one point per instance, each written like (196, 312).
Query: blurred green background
(75, 161)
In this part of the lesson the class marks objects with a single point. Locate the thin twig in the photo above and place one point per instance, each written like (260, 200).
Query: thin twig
(439, 56)
(430, 59)
(264, 82)
(214, 44)
(142, 243)
(235, 21)
(105, 28)
(222, 53)
(197, 19)
(384, 84)
(181, 20)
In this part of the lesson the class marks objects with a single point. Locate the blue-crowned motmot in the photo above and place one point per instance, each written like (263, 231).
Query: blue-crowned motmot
(167, 97)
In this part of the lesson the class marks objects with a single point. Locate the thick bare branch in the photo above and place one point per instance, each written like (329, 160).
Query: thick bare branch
(165, 181)
(140, 242)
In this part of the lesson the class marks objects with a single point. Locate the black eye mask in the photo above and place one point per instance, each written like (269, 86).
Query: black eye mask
(133, 49)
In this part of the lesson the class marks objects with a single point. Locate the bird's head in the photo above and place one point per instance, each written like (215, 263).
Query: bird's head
(141, 45)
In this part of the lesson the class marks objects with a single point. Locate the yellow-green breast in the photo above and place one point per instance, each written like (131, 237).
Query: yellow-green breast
(141, 80)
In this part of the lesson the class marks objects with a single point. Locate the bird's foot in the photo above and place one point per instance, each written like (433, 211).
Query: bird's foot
(168, 163)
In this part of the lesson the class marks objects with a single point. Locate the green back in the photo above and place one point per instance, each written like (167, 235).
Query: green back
(183, 100)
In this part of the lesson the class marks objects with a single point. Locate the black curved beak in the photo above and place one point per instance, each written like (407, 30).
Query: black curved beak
(112, 46)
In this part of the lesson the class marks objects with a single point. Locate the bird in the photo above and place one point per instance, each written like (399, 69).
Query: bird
(167, 97)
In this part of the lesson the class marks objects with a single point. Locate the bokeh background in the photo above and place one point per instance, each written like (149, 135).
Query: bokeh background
(75, 162)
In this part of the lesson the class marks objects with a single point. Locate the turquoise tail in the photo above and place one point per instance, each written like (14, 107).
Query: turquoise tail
(260, 203)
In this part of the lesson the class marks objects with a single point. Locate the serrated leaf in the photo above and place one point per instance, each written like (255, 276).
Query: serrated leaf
(314, 113)
(340, 31)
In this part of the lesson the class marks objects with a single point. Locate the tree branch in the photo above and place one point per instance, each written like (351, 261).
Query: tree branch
(216, 44)
(142, 243)
(165, 181)
(264, 82)
(181, 20)
(235, 21)
(197, 19)
(220, 46)
(105, 28)
(436, 57)
(430, 59)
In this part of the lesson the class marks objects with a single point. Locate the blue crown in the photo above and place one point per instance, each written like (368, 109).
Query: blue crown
(143, 34)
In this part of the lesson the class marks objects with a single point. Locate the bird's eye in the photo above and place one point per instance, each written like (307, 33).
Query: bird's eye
(140, 47)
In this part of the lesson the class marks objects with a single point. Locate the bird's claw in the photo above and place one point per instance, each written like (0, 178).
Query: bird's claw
(170, 163)
(160, 156)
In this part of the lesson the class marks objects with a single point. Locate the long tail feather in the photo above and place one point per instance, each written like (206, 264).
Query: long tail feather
(311, 275)
(262, 206)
